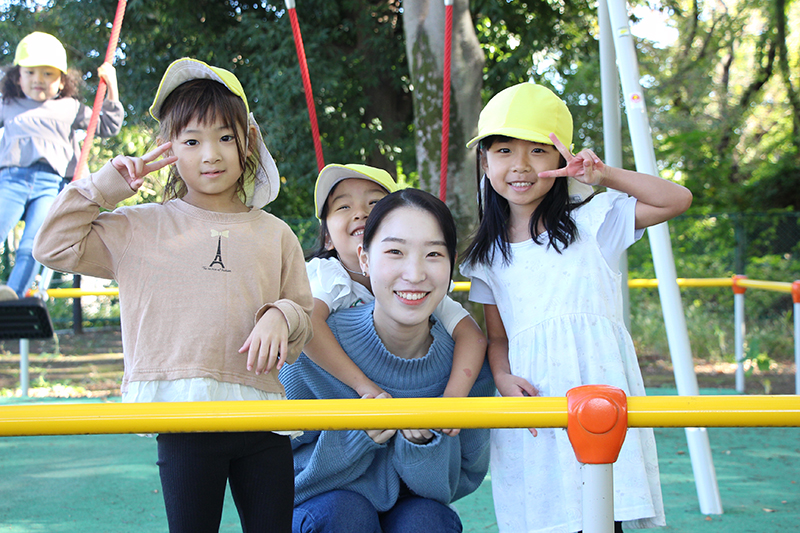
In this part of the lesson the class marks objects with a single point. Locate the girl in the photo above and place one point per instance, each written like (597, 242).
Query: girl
(213, 295)
(40, 113)
(344, 196)
(546, 269)
(394, 481)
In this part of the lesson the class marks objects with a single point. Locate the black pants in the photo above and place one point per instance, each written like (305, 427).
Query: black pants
(196, 467)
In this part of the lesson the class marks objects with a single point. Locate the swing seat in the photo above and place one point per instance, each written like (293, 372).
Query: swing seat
(26, 318)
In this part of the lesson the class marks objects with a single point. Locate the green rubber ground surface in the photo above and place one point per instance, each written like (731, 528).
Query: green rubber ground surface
(109, 483)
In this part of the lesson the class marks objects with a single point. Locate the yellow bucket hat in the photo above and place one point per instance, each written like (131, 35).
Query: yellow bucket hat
(529, 112)
(40, 49)
(267, 181)
(333, 174)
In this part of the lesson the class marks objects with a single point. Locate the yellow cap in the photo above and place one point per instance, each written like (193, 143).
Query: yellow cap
(530, 112)
(187, 69)
(525, 111)
(266, 182)
(333, 174)
(39, 49)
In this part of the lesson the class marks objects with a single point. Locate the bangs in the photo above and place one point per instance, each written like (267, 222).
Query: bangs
(205, 101)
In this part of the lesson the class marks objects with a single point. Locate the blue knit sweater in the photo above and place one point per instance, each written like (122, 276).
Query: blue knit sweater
(444, 469)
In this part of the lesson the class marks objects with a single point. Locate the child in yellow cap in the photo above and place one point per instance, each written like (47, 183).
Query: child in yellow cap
(214, 298)
(344, 196)
(40, 113)
(545, 264)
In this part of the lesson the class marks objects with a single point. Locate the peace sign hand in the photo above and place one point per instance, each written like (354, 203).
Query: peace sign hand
(134, 169)
(585, 167)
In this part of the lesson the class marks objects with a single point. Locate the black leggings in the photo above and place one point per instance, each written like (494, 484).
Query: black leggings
(196, 467)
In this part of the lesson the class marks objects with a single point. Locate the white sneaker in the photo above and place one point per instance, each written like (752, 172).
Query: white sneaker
(7, 293)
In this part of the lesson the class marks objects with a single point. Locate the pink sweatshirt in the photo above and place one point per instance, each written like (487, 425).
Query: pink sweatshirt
(192, 282)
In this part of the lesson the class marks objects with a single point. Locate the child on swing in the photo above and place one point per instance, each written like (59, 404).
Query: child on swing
(40, 113)
(344, 196)
(213, 294)
(545, 264)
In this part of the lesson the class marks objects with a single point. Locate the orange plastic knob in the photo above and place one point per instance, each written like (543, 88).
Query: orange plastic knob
(737, 289)
(597, 421)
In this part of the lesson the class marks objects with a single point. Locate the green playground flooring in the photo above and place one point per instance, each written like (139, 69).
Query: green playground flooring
(109, 483)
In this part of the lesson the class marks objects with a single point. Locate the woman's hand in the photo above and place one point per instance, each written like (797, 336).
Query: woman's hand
(418, 436)
(268, 341)
(585, 167)
(511, 385)
(134, 169)
(380, 436)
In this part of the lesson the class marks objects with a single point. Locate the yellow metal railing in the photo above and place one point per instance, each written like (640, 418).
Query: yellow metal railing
(652, 411)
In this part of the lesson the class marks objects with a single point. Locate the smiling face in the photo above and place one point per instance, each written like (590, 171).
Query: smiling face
(40, 83)
(513, 165)
(209, 165)
(409, 266)
(348, 205)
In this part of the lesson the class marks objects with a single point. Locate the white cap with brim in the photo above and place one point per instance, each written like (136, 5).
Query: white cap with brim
(40, 49)
(333, 174)
(266, 182)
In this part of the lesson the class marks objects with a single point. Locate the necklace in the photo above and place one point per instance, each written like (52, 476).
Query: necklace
(351, 271)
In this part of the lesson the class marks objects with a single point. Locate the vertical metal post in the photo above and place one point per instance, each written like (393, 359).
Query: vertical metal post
(674, 319)
(24, 381)
(612, 128)
(739, 331)
(598, 498)
(597, 421)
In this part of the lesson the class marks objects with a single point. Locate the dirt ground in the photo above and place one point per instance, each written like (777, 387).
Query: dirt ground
(90, 364)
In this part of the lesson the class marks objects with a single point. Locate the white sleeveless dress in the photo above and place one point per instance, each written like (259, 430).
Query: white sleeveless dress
(563, 317)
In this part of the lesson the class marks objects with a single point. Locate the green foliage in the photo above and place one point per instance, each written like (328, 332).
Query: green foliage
(706, 246)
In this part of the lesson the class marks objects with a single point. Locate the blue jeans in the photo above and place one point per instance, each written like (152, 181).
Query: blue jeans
(343, 511)
(26, 193)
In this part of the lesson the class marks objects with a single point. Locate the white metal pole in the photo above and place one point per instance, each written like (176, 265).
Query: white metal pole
(738, 338)
(598, 498)
(674, 320)
(612, 128)
(24, 350)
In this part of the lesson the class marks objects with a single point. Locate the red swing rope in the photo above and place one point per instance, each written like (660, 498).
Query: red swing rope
(448, 34)
(101, 93)
(301, 59)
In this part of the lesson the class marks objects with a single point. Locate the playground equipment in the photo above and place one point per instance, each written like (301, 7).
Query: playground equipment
(596, 418)
(24, 319)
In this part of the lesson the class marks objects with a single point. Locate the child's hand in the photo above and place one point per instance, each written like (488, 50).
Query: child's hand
(268, 343)
(134, 169)
(418, 436)
(370, 390)
(380, 436)
(585, 167)
(511, 385)
(107, 73)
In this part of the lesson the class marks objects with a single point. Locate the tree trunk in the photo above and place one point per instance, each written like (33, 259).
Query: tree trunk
(424, 23)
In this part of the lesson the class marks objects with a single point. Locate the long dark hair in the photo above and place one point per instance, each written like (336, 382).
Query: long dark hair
(12, 89)
(205, 100)
(554, 212)
(418, 200)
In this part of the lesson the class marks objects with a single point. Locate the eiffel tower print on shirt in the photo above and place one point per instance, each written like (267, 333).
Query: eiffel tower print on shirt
(218, 264)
